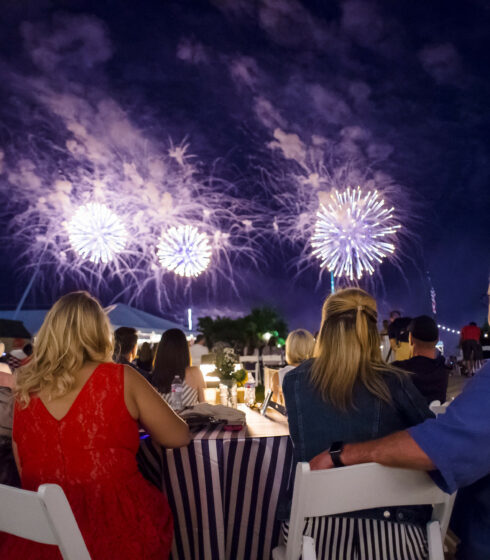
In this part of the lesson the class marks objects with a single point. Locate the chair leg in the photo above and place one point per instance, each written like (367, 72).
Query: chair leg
(434, 541)
(309, 552)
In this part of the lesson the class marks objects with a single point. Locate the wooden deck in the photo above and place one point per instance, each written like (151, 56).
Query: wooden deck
(455, 385)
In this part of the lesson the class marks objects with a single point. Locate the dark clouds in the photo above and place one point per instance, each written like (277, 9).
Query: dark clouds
(401, 88)
(442, 62)
(67, 41)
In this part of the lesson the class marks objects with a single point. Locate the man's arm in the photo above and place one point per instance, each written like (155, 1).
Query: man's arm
(457, 442)
(396, 450)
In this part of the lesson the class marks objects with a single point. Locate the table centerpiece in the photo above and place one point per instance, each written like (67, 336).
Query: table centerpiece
(230, 375)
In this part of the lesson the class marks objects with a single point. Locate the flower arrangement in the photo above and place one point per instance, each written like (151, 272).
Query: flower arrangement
(225, 367)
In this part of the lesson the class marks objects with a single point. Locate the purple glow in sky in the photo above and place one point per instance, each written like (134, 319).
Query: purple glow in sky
(153, 113)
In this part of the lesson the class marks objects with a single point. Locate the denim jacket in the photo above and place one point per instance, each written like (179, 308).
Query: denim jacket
(315, 424)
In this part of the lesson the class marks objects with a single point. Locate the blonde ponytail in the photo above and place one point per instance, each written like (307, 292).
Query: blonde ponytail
(348, 349)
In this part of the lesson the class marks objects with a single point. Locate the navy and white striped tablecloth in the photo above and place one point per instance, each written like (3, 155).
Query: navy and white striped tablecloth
(223, 490)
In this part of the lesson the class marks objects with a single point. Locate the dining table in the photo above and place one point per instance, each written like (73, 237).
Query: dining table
(224, 488)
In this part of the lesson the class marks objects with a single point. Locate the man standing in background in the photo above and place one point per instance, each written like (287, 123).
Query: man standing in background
(198, 349)
(471, 347)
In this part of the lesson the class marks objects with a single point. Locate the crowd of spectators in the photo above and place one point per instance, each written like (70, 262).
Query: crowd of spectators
(349, 399)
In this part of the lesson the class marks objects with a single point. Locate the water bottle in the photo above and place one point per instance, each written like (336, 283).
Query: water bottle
(249, 395)
(177, 388)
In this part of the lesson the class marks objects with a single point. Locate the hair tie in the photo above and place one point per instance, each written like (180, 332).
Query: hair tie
(359, 308)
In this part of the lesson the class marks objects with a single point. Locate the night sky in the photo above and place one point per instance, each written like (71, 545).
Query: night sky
(400, 87)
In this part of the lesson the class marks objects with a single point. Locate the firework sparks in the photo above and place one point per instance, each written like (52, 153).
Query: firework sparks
(185, 251)
(96, 233)
(94, 150)
(149, 186)
(354, 232)
(348, 232)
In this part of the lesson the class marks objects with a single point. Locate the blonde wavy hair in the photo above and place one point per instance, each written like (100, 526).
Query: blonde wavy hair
(75, 330)
(300, 345)
(348, 349)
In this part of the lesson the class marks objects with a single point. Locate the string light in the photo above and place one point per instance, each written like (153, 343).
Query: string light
(448, 329)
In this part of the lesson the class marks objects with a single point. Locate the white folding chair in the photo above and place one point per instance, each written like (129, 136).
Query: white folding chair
(336, 491)
(253, 359)
(44, 516)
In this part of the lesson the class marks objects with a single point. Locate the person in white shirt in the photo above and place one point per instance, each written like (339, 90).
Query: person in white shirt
(198, 349)
(300, 345)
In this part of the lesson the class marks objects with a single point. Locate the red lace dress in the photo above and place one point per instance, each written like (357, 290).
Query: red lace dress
(91, 454)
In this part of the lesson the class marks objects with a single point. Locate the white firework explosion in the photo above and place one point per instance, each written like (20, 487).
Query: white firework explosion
(354, 233)
(97, 154)
(185, 251)
(96, 233)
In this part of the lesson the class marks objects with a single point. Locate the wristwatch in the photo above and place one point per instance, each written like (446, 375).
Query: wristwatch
(335, 450)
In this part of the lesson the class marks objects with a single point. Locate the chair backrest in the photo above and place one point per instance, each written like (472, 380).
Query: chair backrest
(249, 361)
(269, 374)
(271, 381)
(336, 491)
(274, 359)
(44, 516)
(251, 358)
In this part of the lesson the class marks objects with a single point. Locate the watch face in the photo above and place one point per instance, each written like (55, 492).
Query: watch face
(336, 447)
(335, 451)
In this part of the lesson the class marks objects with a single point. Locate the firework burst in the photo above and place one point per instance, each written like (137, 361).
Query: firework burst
(347, 231)
(354, 232)
(96, 233)
(185, 251)
(91, 206)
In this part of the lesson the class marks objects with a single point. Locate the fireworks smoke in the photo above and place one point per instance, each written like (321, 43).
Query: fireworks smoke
(92, 192)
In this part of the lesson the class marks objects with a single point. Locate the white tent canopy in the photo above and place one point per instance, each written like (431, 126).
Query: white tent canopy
(150, 327)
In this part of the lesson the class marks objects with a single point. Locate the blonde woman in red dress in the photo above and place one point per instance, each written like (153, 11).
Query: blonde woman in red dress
(76, 423)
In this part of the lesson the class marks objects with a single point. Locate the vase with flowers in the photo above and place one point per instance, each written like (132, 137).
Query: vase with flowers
(230, 376)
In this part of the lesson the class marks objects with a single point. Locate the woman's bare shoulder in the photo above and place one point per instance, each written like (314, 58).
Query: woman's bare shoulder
(194, 377)
(193, 371)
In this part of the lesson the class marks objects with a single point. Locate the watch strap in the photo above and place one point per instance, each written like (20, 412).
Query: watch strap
(335, 450)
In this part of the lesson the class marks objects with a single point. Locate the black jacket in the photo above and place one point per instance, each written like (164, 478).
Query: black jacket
(430, 376)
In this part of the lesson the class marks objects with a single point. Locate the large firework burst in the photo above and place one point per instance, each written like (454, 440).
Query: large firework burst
(185, 251)
(354, 232)
(96, 233)
(348, 231)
